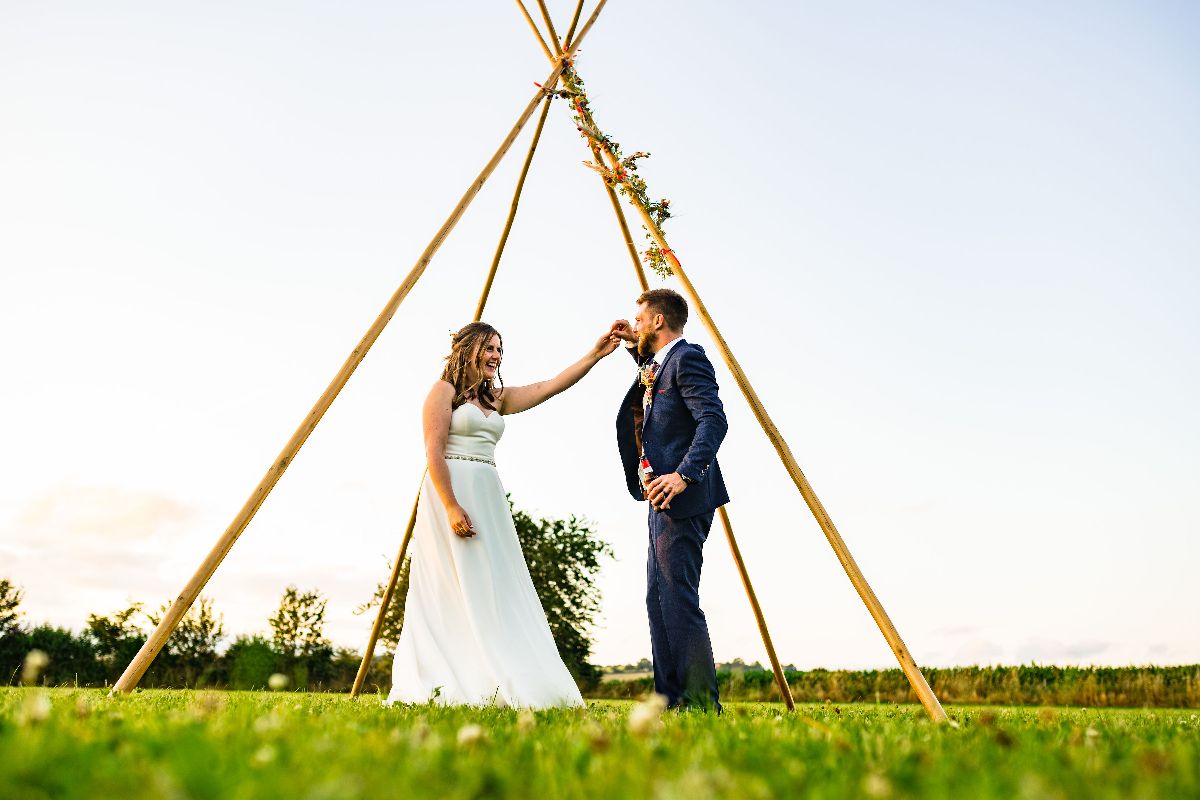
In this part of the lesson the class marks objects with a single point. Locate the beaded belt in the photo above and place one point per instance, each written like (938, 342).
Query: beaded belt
(479, 459)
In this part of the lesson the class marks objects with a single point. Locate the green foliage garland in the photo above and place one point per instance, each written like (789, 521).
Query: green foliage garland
(624, 177)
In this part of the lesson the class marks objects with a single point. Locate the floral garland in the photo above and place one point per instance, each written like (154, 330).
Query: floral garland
(624, 177)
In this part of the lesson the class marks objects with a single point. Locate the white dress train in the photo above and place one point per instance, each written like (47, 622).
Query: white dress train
(474, 630)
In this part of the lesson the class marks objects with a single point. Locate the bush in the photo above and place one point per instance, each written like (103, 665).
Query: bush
(250, 662)
(72, 662)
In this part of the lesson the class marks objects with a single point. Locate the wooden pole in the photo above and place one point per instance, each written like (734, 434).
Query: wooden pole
(784, 689)
(533, 26)
(574, 22)
(145, 656)
(865, 592)
(587, 26)
(780, 678)
(365, 666)
(550, 27)
(512, 211)
(874, 607)
(626, 236)
(369, 653)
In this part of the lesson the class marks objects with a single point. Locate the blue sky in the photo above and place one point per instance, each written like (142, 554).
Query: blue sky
(954, 246)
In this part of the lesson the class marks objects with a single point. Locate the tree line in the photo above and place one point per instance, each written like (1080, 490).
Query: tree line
(192, 657)
(564, 557)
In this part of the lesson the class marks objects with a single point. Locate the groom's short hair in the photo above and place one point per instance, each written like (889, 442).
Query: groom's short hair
(670, 304)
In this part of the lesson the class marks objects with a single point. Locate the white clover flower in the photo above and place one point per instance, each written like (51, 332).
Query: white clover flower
(278, 682)
(35, 709)
(264, 755)
(83, 708)
(597, 737)
(526, 721)
(470, 735)
(644, 718)
(208, 703)
(267, 723)
(35, 662)
(875, 785)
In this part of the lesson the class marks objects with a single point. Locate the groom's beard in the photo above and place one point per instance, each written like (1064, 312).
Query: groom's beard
(645, 345)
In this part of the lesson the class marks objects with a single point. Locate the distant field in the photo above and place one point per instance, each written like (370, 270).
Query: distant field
(77, 743)
(623, 677)
(1026, 685)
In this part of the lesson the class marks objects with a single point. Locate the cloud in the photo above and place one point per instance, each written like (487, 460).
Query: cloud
(80, 549)
(956, 630)
(1051, 651)
(1085, 648)
(979, 651)
(69, 515)
(85, 548)
(923, 506)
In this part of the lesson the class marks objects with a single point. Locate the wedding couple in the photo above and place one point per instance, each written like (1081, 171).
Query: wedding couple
(474, 631)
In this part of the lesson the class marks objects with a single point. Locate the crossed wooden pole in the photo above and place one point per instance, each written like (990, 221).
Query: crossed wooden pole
(560, 56)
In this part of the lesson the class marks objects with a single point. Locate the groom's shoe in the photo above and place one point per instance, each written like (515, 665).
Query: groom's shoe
(689, 702)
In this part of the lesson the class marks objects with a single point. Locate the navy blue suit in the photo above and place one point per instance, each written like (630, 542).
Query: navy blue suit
(681, 432)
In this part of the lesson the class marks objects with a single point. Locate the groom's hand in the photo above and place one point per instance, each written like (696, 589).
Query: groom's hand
(623, 330)
(663, 489)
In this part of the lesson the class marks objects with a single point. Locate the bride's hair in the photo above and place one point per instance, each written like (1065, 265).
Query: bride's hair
(466, 350)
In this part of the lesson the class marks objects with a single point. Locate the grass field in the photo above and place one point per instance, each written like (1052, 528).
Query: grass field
(181, 744)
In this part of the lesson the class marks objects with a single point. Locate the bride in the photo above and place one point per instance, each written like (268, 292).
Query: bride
(474, 630)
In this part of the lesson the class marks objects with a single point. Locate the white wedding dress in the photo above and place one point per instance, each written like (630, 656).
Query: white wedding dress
(474, 630)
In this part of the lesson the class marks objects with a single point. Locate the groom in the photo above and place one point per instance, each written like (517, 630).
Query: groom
(668, 430)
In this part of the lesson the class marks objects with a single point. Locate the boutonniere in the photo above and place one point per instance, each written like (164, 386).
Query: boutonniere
(648, 375)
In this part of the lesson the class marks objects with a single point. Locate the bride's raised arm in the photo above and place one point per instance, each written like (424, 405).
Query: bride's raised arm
(515, 399)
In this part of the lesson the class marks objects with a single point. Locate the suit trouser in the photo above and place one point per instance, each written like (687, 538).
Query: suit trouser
(683, 661)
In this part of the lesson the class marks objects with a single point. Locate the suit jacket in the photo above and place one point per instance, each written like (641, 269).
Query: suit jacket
(682, 430)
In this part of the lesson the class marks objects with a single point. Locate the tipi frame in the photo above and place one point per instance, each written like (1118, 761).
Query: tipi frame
(560, 55)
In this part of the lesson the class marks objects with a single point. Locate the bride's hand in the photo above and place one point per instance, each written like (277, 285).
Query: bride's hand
(460, 523)
(605, 345)
(623, 330)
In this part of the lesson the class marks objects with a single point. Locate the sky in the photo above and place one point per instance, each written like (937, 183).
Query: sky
(953, 245)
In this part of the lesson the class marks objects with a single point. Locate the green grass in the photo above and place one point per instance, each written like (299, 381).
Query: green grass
(168, 744)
